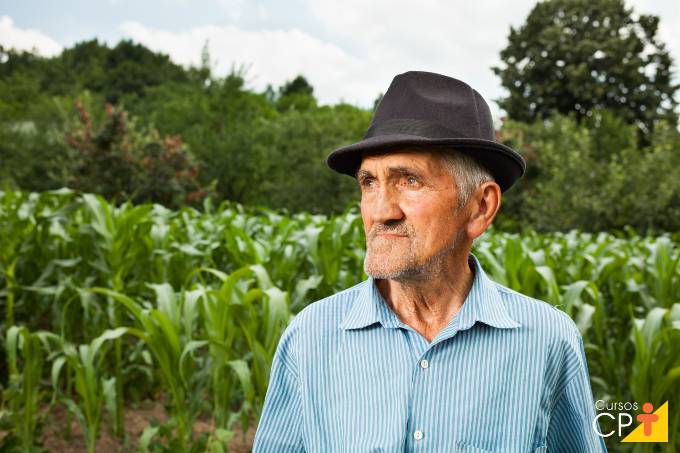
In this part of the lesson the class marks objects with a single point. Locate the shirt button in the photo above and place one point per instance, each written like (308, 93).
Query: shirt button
(424, 363)
(418, 435)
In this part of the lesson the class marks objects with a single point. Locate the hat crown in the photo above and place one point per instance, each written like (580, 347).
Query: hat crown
(433, 104)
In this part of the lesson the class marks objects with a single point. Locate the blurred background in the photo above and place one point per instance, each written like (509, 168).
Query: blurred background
(165, 207)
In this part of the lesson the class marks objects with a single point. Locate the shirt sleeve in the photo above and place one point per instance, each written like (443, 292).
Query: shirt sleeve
(280, 427)
(571, 423)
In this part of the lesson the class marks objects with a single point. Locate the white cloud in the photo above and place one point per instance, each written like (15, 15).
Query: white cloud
(460, 39)
(26, 38)
(273, 56)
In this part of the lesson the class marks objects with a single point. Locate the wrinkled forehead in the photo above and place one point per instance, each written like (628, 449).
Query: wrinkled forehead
(423, 160)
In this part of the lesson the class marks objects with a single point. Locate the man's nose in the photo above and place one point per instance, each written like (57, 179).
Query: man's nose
(386, 206)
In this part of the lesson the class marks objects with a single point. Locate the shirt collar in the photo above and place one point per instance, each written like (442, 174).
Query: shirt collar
(483, 303)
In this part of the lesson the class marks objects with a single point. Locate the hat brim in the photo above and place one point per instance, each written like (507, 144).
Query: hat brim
(504, 163)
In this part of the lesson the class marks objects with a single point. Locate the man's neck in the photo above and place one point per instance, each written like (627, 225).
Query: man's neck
(428, 305)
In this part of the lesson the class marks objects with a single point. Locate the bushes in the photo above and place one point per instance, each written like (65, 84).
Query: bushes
(259, 150)
(121, 162)
(592, 176)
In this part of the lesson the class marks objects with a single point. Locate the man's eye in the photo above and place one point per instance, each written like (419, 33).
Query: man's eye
(411, 181)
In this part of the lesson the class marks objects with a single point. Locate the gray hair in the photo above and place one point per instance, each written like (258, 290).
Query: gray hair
(467, 174)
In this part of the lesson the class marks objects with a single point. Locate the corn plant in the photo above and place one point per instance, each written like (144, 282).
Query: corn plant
(167, 330)
(94, 390)
(656, 368)
(25, 357)
(120, 237)
(246, 305)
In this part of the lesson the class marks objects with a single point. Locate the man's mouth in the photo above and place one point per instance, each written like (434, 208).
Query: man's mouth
(391, 235)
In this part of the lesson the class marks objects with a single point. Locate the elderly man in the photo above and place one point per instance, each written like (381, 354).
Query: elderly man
(428, 354)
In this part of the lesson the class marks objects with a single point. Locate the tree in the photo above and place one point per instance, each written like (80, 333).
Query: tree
(296, 94)
(296, 144)
(132, 68)
(128, 69)
(218, 122)
(580, 55)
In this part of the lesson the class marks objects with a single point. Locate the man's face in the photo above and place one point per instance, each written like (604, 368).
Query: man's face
(408, 205)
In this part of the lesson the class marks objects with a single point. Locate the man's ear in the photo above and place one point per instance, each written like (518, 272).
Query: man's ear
(484, 205)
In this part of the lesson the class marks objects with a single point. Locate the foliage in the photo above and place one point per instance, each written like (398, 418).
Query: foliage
(297, 176)
(219, 123)
(296, 94)
(189, 134)
(257, 154)
(93, 390)
(121, 162)
(592, 176)
(577, 56)
(22, 394)
(126, 69)
(248, 145)
(193, 303)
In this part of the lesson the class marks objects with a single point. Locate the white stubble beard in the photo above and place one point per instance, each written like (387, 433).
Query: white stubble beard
(410, 269)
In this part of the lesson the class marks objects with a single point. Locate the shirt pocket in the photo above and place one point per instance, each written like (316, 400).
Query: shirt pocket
(462, 447)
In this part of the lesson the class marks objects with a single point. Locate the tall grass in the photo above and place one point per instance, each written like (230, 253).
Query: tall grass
(116, 303)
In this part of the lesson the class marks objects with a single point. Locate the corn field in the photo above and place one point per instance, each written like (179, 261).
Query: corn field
(106, 305)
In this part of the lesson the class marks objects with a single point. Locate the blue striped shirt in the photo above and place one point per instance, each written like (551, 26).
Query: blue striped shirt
(507, 374)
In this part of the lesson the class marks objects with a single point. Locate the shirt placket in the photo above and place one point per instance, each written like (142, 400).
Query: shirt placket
(419, 433)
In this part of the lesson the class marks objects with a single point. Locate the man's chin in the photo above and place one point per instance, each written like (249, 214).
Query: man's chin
(384, 271)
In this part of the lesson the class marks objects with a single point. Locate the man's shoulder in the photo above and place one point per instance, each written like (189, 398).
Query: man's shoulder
(550, 329)
(328, 312)
(316, 323)
(538, 315)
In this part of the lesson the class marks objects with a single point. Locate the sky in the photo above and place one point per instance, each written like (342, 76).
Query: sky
(349, 50)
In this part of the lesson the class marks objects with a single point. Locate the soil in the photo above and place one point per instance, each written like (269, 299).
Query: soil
(54, 433)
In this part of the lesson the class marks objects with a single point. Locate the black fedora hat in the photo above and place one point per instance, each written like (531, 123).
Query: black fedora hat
(433, 110)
